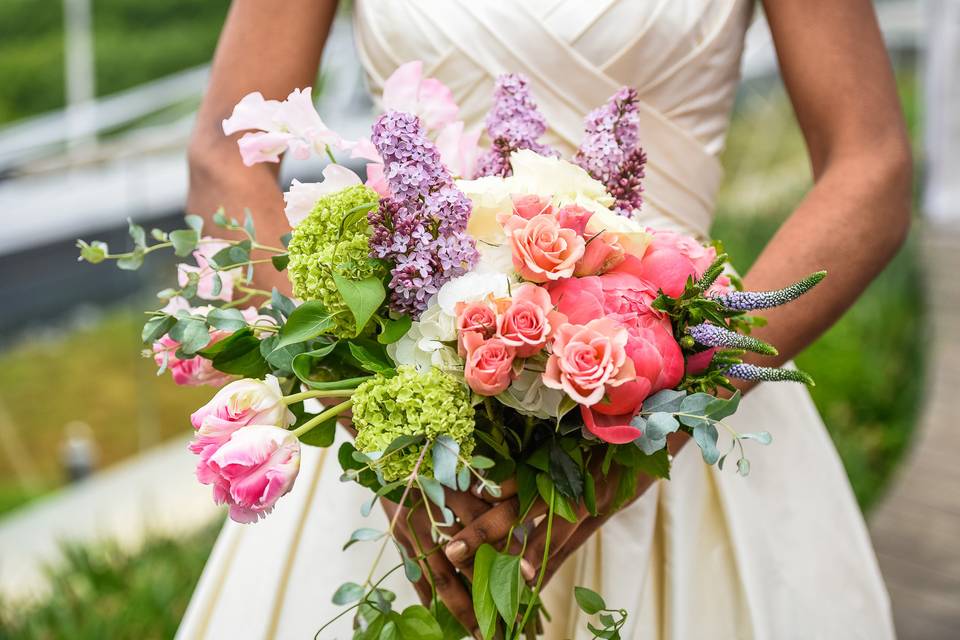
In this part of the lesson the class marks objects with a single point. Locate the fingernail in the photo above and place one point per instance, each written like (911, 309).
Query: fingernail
(526, 570)
(456, 551)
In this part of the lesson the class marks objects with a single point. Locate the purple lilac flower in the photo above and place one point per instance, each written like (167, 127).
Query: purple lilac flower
(422, 226)
(751, 300)
(710, 335)
(514, 123)
(610, 151)
(753, 372)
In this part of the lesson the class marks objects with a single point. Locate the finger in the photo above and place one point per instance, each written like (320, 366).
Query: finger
(466, 506)
(451, 590)
(561, 532)
(492, 527)
(508, 489)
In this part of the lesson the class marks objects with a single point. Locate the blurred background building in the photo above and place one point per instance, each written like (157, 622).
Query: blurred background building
(103, 530)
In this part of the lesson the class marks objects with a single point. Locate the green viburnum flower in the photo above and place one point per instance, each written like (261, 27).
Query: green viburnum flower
(431, 403)
(318, 249)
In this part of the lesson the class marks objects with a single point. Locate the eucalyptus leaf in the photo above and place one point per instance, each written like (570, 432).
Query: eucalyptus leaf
(402, 442)
(481, 462)
(191, 333)
(762, 437)
(706, 436)
(281, 303)
(347, 592)
(184, 241)
(433, 490)
(720, 408)
(133, 261)
(232, 256)
(157, 327)
(743, 467)
(655, 431)
(94, 253)
(364, 534)
(410, 567)
(667, 400)
(226, 319)
(445, 451)
(195, 222)
(138, 234)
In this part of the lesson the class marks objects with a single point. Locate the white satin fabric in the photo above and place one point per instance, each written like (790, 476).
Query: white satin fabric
(781, 554)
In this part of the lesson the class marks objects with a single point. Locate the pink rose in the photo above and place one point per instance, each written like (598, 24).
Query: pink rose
(602, 253)
(489, 367)
(247, 401)
(589, 360)
(529, 321)
(528, 206)
(205, 287)
(671, 258)
(656, 356)
(252, 470)
(574, 217)
(542, 249)
(474, 317)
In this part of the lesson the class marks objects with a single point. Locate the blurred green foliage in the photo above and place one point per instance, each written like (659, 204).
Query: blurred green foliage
(135, 41)
(102, 592)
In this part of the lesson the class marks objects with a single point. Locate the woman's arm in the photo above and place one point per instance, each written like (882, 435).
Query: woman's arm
(267, 48)
(851, 222)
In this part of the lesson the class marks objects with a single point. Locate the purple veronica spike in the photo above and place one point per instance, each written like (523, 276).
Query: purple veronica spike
(711, 335)
(513, 123)
(610, 151)
(753, 372)
(751, 300)
(422, 226)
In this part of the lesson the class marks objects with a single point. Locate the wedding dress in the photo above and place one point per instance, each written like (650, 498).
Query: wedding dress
(781, 554)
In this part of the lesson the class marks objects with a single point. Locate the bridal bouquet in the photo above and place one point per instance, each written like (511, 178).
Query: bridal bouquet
(485, 315)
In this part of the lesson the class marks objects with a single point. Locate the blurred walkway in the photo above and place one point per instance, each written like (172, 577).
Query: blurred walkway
(151, 493)
(916, 530)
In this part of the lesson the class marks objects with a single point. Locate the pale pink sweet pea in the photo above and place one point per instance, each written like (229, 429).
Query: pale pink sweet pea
(247, 401)
(543, 250)
(191, 372)
(407, 90)
(252, 470)
(529, 321)
(489, 364)
(377, 180)
(207, 248)
(589, 360)
(671, 258)
(458, 149)
(302, 196)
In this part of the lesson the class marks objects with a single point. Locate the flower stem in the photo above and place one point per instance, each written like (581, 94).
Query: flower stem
(543, 562)
(320, 418)
(317, 393)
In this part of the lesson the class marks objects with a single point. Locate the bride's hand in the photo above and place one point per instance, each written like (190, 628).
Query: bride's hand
(412, 529)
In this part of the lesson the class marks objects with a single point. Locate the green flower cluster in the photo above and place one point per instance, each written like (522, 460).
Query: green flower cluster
(411, 403)
(319, 248)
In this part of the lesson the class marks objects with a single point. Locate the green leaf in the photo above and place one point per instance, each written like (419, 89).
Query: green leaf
(626, 487)
(505, 585)
(372, 360)
(560, 505)
(191, 333)
(131, 262)
(392, 330)
(656, 465)
(589, 601)
(484, 607)
(463, 478)
(321, 435)
(281, 303)
(416, 623)
(226, 319)
(434, 491)
(156, 327)
(195, 222)
(402, 442)
(280, 359)
(590, 494)
(159, 235)
(280, 261)
(743, 467)
(184, 241)
(363, 297)
(347, 593)
(137, 233)
(705, 435)
(667, 400)
(481, 462)
(565, 473)
(248, 223)
(526, 486)
(410, 567)
(720, 408)
(350, 218)
(364, 534)
(238, 354)
(451, 627)
(232, 256)
(655, 431)
(762, 437)
(306, 322)
(445, 450)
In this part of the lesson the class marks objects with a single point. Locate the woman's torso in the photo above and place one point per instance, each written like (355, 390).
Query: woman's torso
(681, 55)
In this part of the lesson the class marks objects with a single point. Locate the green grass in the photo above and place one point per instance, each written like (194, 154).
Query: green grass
(95, 375)
(134, 41)
(102, 592)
